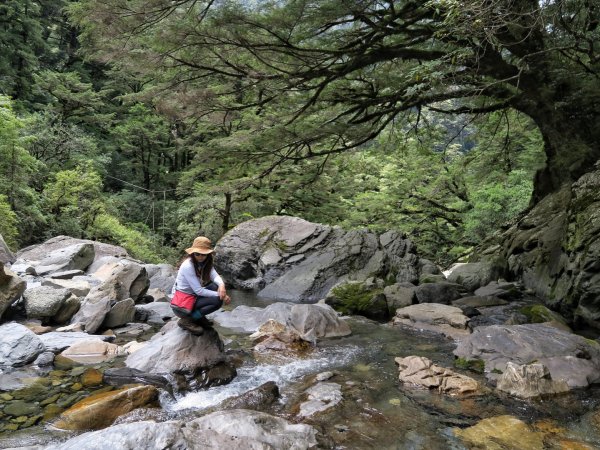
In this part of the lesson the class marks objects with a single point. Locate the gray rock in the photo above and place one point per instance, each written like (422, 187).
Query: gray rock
(477, 301)
(44, 359)
(79, 288)
(40, 251)
(567, 356)
(175, 350)
(503, 289)
(57, 341)
(44, 302)
(125, 279)
(320, 397)
(132, 329)
(121, 313)
(474, 275)
(11, 288)
(438, 293)
(237, 428)
(67, 274)
(311, 321)
(290, 259)
(258, 399)
(448, 320)
(72, 257)
(157, 295)
(68, 309)
(157, 313)
(399, 295)
(122, 376)
(530, 381)
(18, 345)
(162, 276)
(316, 321)
(555, 249)
(92, 312)
(6, 256)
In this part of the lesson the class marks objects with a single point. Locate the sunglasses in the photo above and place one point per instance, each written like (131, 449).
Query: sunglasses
(198, 254)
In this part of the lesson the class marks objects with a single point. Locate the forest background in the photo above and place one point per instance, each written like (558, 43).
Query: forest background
(93, 149)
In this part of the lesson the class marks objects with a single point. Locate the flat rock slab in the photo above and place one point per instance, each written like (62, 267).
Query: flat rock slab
(448, 320)
(236, 428)
(567, 356)
(57, 341)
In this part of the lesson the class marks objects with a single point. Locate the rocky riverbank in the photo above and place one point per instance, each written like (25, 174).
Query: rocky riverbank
(89, 341)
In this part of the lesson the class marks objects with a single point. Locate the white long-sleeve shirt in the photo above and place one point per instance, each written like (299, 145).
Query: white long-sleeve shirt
(187, 281)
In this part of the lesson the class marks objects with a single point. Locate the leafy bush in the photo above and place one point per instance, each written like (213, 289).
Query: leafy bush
(107, 228)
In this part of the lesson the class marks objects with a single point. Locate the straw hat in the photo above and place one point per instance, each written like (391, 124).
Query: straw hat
(201, 245)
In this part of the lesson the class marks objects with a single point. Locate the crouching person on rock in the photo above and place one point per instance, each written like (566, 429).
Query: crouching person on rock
(198, 289)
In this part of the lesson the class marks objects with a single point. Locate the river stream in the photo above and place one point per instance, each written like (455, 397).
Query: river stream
(377, 411)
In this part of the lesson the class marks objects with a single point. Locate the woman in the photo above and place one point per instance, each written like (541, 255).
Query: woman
(198, 289)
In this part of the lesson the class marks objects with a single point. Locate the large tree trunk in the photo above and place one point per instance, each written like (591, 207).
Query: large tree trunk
(568, 121)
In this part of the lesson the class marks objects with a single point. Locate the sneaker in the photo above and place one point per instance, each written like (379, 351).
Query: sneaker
(189, 325)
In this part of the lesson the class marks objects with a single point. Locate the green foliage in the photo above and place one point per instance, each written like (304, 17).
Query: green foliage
(8, 223)
(107, 228)
(541, 314)
(475, 365)
(18, 171)
(74, 200)
(353, 298)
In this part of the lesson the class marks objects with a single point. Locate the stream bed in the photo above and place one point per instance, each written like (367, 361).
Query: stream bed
(376, 411)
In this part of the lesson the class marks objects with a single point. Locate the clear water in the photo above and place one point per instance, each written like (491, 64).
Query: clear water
(377, 412)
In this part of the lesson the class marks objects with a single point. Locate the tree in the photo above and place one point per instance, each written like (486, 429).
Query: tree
(338, 72)
(17, 173)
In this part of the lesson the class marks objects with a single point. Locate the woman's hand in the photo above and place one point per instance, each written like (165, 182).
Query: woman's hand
(227, 299)
(222, 292)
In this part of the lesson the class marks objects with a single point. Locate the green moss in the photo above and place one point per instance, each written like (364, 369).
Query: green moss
(498, 371)
(353, 297)
(539, 314)
(475, 365)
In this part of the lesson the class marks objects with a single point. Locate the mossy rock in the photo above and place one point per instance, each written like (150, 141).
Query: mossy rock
(356, 298)
(540, 314)
(474, 365)
(431, 278)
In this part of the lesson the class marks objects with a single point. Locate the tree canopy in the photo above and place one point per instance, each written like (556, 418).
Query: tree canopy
(330, 75)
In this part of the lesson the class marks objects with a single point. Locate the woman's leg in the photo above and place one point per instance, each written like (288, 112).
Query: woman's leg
(206, 305)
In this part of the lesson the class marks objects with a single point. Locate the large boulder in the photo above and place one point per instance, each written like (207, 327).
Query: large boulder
(555, 249)
(18, 345)
(236, 428)
(39, 252)
(11, 288)
(162, 276)
(448, 320)
(44, 302)
(128, 279)
(567, 356)
(77, 256)
(57, 341)
(287, 258)
(311, 321)
(442, 292)
(474, 275)
(190, 358)
(101, 410)
(121, 281)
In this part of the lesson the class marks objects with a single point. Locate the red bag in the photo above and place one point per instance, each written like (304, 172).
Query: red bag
(183, 300)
